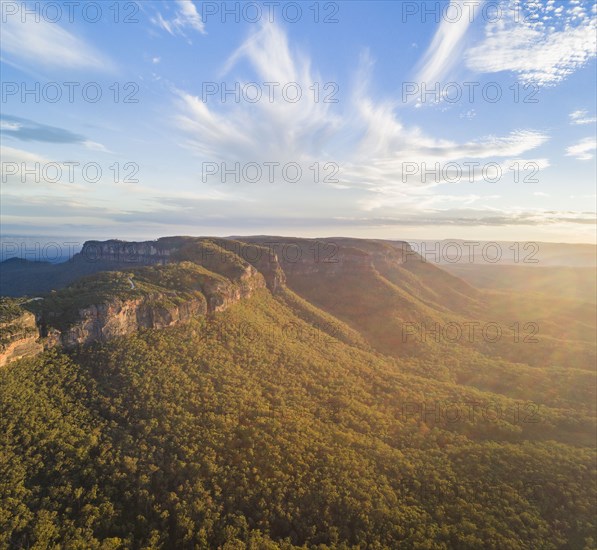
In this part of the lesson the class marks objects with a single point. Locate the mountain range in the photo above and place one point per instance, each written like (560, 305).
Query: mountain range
(273, 392)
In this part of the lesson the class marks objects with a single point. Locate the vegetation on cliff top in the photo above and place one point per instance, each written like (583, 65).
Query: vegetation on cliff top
(165, 286)
(11, 321)
(10, 309)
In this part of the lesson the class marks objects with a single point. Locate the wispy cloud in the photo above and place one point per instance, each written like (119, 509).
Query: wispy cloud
(541, 43)
(278, 130)
(28, 130)
(185, 17)
(582, 117)
(445, 50)
(43, 44)
(19, 166)
(482, 217)
(583, 150)
(10, 154)
(363, 136)
(24, 129)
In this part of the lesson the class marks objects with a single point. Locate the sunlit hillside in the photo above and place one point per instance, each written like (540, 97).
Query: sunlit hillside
(256, 402)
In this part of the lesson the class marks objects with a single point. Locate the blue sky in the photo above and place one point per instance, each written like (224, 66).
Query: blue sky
(521, 167)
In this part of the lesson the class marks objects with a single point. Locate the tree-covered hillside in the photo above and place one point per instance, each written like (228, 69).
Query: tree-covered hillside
(280, 422)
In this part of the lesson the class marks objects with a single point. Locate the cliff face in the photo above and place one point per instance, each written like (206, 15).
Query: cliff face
(19, 338)
(272, 258)
(182, 278)
(301, 257)
(263, 259)
(176, 278)
(103, 322)
(220, 295)
(217, 255)
(122, 252)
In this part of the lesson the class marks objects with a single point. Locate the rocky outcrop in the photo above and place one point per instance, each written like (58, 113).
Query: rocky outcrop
(264, 259)
(116, 317)
(220, 295)
(230, 270)
(322, 258)
(106, 321)
(217, 255)
(103, 306)
(59, 323)
(19, 337)
(124, 252)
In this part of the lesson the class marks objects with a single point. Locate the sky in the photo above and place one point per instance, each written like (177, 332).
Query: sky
(472, 119)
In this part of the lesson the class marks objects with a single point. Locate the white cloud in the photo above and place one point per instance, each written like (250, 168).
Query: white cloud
(583, 150)
(582, 117)
(186, 16)
(543, 48)
(470, 114)
(362, 136)
(446, 47)
(264, 130)
(44, 44)
(12, 126)
(95, 146)
(10, 154)
(20, 167)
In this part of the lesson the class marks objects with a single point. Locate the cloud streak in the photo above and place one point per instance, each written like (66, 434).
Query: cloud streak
(581, 117)
(28, 130)
(24, 129)
(583, 150)
(447, 45)
(43, 44)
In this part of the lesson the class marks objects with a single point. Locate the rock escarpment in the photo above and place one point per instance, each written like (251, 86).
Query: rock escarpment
(105, 321)
(109, 305)
(131, 253)
(322, 257)
(19, 336)
(114, 288)
(222, 256)
(182, 279)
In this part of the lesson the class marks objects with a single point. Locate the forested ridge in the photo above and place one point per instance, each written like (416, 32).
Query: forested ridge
(286, 421)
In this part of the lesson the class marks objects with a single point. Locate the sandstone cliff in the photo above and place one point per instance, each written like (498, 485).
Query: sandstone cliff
(131, 286)
(105, 321)
(19, 337)
(106, 305)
